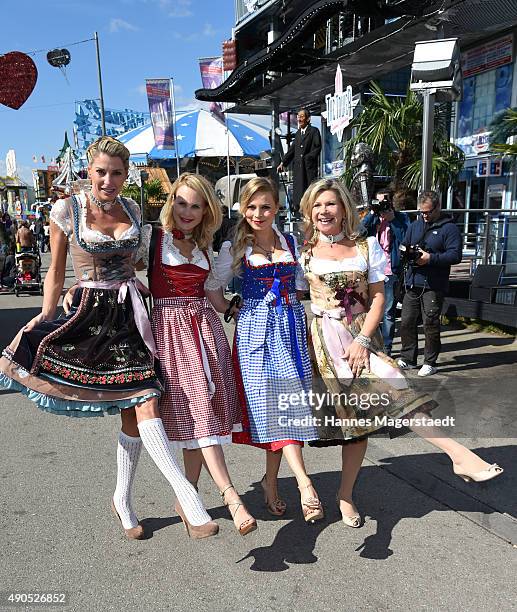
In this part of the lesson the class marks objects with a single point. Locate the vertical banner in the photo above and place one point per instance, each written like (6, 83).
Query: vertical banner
(211, 69)
(162, 116)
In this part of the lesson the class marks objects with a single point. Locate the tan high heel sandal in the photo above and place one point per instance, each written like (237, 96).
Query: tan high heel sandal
(312, 508)
(276, 507)
(134, 533)
(246, 526)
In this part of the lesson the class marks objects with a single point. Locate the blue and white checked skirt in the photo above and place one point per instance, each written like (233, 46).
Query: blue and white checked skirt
(276, 400)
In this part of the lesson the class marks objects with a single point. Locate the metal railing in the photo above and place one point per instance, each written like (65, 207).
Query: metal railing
(489, 236)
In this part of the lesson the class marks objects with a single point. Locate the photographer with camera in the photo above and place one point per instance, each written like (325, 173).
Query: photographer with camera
(432, 244)
(389, 226)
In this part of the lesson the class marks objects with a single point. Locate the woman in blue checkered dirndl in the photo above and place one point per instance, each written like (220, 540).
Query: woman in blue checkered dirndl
(270, 345)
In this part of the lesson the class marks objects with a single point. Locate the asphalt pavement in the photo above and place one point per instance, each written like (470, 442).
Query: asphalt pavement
(429, 542)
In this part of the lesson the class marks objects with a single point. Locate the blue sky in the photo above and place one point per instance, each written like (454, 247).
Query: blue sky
(139, 39)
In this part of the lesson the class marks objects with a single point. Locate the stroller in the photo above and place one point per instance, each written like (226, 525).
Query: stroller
(28, 273)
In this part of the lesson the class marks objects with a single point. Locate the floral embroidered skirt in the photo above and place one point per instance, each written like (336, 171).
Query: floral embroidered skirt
(347, 411)
(89, 363)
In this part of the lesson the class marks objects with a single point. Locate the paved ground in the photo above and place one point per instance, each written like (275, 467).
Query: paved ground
(430, 541)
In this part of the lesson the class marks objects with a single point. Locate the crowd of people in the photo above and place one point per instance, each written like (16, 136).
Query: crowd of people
(174, 379)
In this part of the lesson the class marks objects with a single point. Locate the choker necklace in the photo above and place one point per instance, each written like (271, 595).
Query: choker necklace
(332, 239)
(179, 235)
(102, 205)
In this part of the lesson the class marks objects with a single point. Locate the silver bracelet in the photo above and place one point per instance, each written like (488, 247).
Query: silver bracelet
(363, 340)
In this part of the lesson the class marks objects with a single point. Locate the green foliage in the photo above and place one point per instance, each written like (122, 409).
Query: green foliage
(153, 192)
(503, 125)
(393, 128)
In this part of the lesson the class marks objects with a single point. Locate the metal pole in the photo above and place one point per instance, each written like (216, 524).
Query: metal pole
(99, 74)
(230, 203)
(275, 140)
(427, 140)
(486, 238)
(174, 128)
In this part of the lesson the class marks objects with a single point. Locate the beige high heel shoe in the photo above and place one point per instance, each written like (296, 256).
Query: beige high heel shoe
(134, 533)
(196, 532)
(491, 472)
(312, 508)
(246, 526)
(351, 521)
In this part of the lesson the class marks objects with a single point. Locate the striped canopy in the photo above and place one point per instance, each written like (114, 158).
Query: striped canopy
(200, 134)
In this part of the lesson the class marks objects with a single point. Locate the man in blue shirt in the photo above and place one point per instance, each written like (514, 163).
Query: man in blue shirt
(438, 243)
(389, 227)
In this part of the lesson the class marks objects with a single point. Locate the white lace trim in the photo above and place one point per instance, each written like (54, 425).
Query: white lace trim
(224, 272)
(207, 441)
(60, 215)
(357, 263)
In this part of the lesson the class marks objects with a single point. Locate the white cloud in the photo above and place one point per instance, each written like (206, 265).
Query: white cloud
(117, 24)
(180, 8)
(208, 31)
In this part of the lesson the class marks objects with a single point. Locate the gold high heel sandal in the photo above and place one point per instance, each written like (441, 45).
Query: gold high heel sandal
(311, 507)
(351, 521)
(196, 532)
(491, 472)
(134, 533)
(246, 526)
(276, 507)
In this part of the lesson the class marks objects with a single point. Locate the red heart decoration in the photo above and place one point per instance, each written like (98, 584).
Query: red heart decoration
(18, 76)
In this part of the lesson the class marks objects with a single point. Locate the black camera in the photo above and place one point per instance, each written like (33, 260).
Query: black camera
(410, 253)
(379, 206)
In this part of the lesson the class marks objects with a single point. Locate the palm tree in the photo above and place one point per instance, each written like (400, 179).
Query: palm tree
(504, 125)
(393, 128)
(154, 195)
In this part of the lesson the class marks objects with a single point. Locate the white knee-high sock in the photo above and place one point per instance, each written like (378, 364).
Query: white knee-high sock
(156, 443)
(128, 453)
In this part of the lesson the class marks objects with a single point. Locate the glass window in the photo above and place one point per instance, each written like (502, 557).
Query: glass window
(484, 95)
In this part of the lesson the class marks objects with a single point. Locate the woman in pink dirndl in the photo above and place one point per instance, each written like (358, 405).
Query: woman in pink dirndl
(199, 406)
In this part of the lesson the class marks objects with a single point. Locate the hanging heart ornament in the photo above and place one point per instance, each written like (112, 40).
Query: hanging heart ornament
(18, 76)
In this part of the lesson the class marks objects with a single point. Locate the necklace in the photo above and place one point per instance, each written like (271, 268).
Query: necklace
(179, 235)
(267, 252)
(102, 205)
(332, 239)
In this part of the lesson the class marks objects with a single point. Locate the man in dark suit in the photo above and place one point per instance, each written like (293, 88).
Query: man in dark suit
(305, 151)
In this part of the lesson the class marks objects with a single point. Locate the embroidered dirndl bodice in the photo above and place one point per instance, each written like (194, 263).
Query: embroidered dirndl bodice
(257, 281)
(346, 290)
(102, 261)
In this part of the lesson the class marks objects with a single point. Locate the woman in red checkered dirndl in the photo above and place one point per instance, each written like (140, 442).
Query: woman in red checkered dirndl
(200, 405)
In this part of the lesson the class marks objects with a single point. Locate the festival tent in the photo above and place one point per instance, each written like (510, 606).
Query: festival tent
(200, 134)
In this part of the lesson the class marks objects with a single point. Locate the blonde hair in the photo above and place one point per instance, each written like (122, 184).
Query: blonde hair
(350, 219)
(244, 235)
(203, 233)
(110, 146)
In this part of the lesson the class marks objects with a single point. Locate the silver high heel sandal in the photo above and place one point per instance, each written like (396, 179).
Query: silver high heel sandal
(491, 472)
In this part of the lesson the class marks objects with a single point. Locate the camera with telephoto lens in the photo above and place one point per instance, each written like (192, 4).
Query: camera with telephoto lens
(410, 253)
(379, 206)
